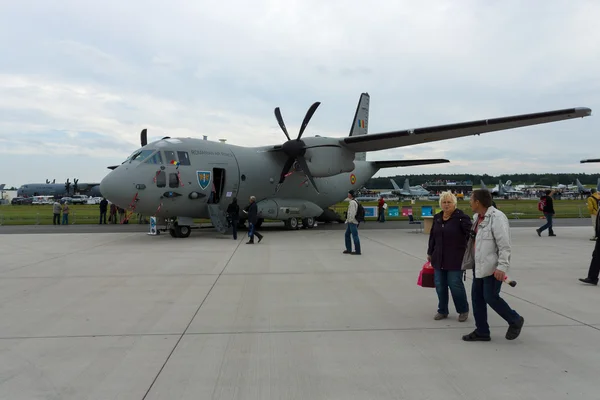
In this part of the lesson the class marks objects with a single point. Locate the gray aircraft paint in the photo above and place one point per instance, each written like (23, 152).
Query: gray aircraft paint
(57, 189)
(255, 171)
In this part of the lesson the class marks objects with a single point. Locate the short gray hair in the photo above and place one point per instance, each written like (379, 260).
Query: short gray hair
(448, 194)
(252, 198)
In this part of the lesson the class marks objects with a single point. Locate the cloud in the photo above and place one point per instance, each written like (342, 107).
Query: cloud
(84, 79)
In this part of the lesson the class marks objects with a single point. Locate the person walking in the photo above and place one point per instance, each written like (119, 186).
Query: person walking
(447, 244)
(592, 204)
(352, 226)
(490, 261)
(594, 270)
(252, 220)
(233, 214)
(548, 210)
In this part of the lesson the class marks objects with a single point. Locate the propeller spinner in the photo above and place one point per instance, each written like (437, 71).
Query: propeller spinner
(295, 148)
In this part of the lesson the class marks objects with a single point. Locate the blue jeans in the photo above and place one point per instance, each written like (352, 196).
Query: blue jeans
(548, 224)
(65, 220)
(352, 229)
(445, 279)
(381, 215)
(486, 291)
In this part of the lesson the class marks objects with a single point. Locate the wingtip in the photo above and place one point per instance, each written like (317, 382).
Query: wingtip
(583, 111)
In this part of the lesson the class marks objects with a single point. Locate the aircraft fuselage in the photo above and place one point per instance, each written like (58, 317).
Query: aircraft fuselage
(165, 189)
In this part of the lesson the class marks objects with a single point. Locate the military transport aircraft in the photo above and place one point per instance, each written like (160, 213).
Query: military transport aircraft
(178, 179)
(59, 189)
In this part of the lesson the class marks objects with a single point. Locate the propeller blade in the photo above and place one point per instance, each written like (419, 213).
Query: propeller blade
(280, 120)
(307, 118)
(144, 137)
(304, 166)
(286, 169)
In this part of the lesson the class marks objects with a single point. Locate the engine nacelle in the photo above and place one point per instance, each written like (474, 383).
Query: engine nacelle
(328, 161)
(283, 209)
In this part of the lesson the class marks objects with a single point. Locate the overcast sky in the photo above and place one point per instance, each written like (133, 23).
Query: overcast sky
(80, 80)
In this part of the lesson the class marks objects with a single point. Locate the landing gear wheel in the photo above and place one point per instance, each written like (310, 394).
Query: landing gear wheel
(308, 222)
(292, 223)
(183, 231)
(172, 232)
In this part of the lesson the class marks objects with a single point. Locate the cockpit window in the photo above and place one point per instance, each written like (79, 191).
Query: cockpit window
(170, 156)
(142, 155)
(155, 159)
(184, 158)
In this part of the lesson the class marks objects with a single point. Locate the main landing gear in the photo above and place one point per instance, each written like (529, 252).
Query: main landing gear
(179, 227)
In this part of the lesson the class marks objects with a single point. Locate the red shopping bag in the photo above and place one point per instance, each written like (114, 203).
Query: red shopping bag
(426, 276)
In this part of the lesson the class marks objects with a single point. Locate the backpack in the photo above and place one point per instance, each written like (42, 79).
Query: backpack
(542, 204)
(360, 212)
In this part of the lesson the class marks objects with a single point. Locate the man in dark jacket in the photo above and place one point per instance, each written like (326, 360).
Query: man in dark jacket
(233, 214)
(548, 213)
(252, 220)
(447, 245)
(594, 270)
(103, 208)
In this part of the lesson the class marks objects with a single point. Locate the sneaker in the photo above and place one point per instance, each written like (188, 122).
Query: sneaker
(514, 331)
(462, 317)
(346, 252)
(475, 337)
(590, 281)
(439, 316)
(538, 232)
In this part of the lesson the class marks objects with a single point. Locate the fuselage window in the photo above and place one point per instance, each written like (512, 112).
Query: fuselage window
(170, 156)
(155, 159)
(161, 179)
(173, 180)
(184, 159)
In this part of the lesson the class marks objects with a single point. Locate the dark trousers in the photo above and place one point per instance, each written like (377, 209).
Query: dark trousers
(234, 226)
(548, 224)
(103, 214)
(594, 270)
(484, 292)
(445, 279)
(253, 233)
(56, 219)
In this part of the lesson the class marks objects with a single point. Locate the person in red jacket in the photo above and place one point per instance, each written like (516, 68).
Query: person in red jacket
(381, 209)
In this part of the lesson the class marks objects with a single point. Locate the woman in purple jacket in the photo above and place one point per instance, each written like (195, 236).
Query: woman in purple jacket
(447, 245)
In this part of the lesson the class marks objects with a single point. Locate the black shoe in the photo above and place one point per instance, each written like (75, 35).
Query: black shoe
(538, 232)
(552, 234)
(347, 252)
(476, 337)
(259, 239)
(355, 253)
(514, 331)
(590, 281)
(250, 242)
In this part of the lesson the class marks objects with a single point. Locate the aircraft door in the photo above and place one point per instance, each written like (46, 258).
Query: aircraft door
(224, 186)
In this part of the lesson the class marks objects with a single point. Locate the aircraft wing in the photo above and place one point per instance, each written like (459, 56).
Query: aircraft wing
(407, 163)
(590, 160)
(409, 137)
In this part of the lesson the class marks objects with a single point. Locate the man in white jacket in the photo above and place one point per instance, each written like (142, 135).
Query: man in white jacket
(491, 256)
(352, 226)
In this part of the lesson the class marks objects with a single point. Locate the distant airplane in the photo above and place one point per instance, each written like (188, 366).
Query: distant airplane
(409, 191)
(590, 160)
(179, 179)
(59, 189)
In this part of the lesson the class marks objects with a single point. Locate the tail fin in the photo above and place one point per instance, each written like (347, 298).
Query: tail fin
(406, 185)
(360, 125)
(395, 185)
(483, 185)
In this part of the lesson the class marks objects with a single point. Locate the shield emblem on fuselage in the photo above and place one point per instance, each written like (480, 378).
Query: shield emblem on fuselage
(203, 179)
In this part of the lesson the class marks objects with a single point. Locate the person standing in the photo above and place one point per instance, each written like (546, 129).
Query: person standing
(56, 211)
(548, 211)
(65, 211)
(447, 244)
(103, 208)
(381, 209)
(490, 261)
(352, 226)
(594, 270)
(233, 213)
(252, 221)
(592, 204)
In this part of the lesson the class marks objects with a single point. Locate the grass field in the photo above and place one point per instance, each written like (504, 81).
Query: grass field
(89, 214)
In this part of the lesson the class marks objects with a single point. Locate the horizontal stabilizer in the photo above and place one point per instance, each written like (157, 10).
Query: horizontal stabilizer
(590, 160)
(407, 163)
(409, 137)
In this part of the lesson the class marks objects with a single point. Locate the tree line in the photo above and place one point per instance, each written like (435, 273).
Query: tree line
(489, 180)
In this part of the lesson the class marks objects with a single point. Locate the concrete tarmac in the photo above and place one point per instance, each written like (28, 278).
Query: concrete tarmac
(125, 315)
